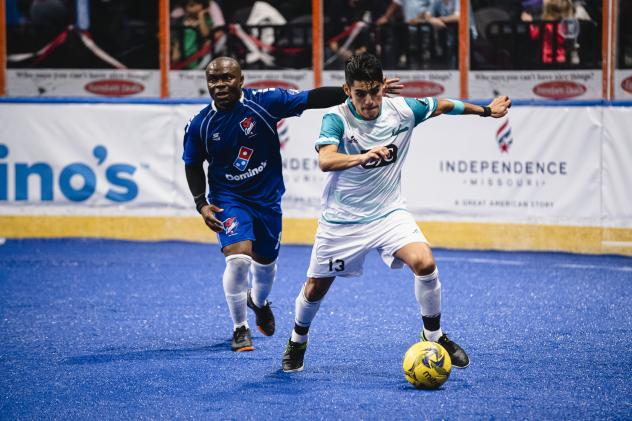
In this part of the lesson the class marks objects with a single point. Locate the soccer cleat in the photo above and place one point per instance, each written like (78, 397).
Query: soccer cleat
(265, 318)
(457, 354)
(293, 356)
(242, 340)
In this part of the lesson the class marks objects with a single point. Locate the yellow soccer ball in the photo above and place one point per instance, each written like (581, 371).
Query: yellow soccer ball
(427, 365)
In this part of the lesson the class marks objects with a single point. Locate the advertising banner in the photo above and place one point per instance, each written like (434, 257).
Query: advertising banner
(617, 172)
(544, 85)
(192, 83)
(531, 167)
(87, 159)
(417, 84)
(83, 83)
(623, 84)
(539, 166)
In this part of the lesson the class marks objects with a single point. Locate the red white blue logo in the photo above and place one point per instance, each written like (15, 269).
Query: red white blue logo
(243, 157)
(230, 225)
(248, 125)
(503, 137)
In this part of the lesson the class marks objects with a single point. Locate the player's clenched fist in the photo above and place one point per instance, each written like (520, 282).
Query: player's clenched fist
(499, 106)
(375, 154)
(208, 213)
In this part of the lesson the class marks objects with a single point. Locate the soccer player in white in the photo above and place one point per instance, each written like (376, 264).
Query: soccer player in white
(362, 146)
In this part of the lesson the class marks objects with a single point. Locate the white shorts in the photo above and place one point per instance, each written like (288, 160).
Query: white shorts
(339, 249)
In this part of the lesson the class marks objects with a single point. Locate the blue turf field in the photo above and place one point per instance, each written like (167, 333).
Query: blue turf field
(107, 329)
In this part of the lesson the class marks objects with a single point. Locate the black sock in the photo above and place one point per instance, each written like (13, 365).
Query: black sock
(301, 330)
(431, 323)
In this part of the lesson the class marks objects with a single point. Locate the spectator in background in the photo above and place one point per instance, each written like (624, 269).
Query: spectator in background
(214, 10)
(50, 17)
(192, 32)
(553, 11)
(346, 16)
(414, 11)
(386, 39)
(531, 8)
(444, 12)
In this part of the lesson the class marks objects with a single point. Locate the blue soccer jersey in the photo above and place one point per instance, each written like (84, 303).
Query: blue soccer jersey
(242, 145)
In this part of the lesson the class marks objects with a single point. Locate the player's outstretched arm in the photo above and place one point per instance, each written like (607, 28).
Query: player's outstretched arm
(330, 159)
(328, 96)
(496, 109)
(196, 179)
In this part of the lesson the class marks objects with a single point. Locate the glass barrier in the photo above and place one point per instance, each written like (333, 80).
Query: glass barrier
(82, 48)
(271, 40)
(399, 46)
(624, 29)
(113, 34)
(536, 49)
(623, 56)
(529, 49)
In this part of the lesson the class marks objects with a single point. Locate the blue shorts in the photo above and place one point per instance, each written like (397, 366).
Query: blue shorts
(242, 222)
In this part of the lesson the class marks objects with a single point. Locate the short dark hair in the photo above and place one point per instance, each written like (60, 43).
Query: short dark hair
(365, 67)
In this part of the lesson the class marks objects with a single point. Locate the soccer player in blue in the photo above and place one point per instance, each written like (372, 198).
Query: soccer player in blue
(236, 134)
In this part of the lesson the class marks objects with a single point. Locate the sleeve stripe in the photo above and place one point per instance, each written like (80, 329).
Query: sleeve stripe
(433, 106)
(327, 141)
(263, 109)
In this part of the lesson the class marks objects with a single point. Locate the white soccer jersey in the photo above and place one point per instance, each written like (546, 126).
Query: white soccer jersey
(371, 191)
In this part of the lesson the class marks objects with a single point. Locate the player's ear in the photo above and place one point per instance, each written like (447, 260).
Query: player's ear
(241, 81)
(347, 90)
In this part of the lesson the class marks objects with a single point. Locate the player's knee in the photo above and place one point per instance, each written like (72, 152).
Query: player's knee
(423, 266)
(238, 264)
(315, 290)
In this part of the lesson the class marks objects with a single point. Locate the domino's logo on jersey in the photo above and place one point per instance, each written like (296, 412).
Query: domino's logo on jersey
(248, 126)
(230, 225)
(243, 157)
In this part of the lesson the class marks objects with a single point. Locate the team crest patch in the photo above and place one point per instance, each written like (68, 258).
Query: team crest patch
(243, 157)
(230, 225)
(248, 125)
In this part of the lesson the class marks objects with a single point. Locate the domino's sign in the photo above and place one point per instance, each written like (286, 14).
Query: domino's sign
(76, 181)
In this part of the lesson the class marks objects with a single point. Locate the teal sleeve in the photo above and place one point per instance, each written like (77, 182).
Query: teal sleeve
(331, 130)
(422, 108)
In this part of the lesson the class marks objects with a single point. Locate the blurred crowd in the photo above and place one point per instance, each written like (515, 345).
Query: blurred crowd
(414, 34)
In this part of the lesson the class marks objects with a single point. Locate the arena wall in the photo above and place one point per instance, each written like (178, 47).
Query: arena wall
(552, 177)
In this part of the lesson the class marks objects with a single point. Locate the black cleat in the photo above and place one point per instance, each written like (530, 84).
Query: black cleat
(457, 354)
(265, 318)
(242, 340)
(293, 357)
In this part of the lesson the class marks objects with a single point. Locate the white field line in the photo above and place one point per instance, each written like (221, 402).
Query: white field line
(482, 261)
(599, 267)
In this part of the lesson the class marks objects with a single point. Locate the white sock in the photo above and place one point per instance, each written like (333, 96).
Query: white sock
(304, 313)
(428, 295)
(299, 339)
(262, 280)
(235, 283)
